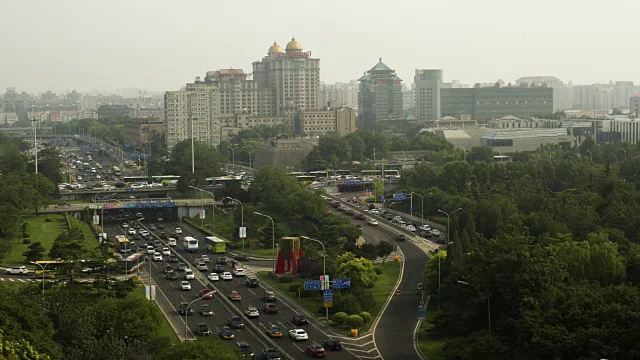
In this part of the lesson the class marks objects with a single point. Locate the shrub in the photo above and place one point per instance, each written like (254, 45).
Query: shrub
(355, 321)
(366, 317)
(26, 234)
(378, 269)
(340, 317)
(294, 287)
(48, 219)
(347, 303)
(26, 241)
(286, 279)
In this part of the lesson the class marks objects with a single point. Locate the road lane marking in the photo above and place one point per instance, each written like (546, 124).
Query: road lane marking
(296, 345)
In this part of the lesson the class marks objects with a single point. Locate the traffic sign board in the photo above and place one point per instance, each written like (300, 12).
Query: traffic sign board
(313, 285)
(400, 197)
(328, 304)
(342, 283)
(328, 295)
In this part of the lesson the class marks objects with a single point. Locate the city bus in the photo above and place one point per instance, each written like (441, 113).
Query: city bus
(190, 244)
(319, 175)
(116, 171)
(132, 263)
(47, 268)
(378, 172)
(123, 245)
(216, 245)
(160, 179)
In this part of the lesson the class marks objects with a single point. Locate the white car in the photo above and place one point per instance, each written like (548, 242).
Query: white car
(238, 272)
(226, 276)
(185, 285)
(213, 277)
(157, 256)
(166, 251)
(205, 258)
(251, 312)
(373, 222)
(125, 225)
(132, 231)
(298, 334)
(189, 275)
(178, 231)
(144, 233)
(151, 250)
(19, 270)
(172, 242)
(411, 228)
(424, 227)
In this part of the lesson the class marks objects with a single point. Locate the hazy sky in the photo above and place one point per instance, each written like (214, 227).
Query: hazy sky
(160, 45)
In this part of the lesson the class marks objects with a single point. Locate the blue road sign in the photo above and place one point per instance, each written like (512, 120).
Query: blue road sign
(400, 197)
(382, 197)
(342, 283)
(421, 312)
(313, 285)
(328, 295)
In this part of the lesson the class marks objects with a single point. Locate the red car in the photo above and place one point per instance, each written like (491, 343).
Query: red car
(316, 350)
(207, 293)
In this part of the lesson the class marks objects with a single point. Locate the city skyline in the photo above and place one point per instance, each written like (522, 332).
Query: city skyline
(156, 45)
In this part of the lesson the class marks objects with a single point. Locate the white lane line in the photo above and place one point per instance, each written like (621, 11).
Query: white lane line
(353, 344)
(358, 350)
(296, 345)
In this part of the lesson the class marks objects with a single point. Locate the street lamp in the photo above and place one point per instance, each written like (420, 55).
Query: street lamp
(421, 210)
(186, 312)
(35, 140)
(324, 263)
(625, 154)
(448, 220)
(247, 151)
(241, 217)
(43, 269)
(193, 161)
(233, 157)
(488, 301)
(273, 238)
(213, 205)
(589, 151)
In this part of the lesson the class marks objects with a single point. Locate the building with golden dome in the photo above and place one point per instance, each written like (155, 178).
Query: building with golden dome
(291, 76)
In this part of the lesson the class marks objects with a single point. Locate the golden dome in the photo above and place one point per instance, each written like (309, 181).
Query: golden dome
(293, 45)
(275, 49)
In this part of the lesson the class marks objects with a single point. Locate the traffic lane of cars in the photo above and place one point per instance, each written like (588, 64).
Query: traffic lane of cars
(253, 297)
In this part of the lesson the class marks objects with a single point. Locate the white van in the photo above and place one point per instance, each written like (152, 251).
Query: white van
(150, 249)
(402, 223)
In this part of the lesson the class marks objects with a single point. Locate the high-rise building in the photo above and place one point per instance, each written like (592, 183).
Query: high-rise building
(408, 96)
(562, 93)
(593, 97)
(380, 97)
(634, 105)
(238, 94)
(290, 76)
(622, 94)
(428, 93)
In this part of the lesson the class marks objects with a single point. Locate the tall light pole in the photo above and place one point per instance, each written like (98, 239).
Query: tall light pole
(247, 151)
(193, 161)
(488, 301)
(273, 238)
(421, 210)
(186, 312)
(449, 220)
(213, 205)
(43, 269)
(241, 217)
(625, 154)
(548, 148)
(233, 157)
(35, 140)
(589, 151)
(324, 264)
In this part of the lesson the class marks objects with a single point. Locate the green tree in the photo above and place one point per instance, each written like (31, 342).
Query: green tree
(35, 252)
(19, 350)
(68, 245)
(340, 317)
(360, 270)
(384, 249)
(200, 349)
(366, 317)
(355, 321)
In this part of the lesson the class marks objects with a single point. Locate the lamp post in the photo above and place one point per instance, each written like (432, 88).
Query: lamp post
(273, 238)
(589, 151)
(43, 267)
(213, 205)
(449, 220)
(35, 140)
(233, 157)
(193, 161)
(548, 148)
(241, 216)
(324, 264)
(247, 151)
(625, 154)
(186, 312)
(488, 301)
(421, 211)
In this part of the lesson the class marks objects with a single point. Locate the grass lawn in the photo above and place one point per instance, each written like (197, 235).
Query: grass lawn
(42, 231)
(90, 240)
(266, 253)
(165, 328)
(385, 283)
(429, 342)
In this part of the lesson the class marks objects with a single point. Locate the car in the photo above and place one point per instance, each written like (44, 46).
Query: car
(207, 293)
(411, 228)
(226, 276)
(178, 230)
(132, 231)
(185, 285)
(235, 322)
(189, 275)
(401, 237)
(157, 243)
(219, 269)
(151, 250)
(270, 354)
(234, 296)
(372, 222)
(125, 225)
(226, 333)
(268, 296)
(270, 308)
(18, 270)
(166, 251)
(213, 277)
(396, 218)
(182, 267)
(203, 330)
(202, 266)
(251, 312)
(298, 334)
(245, 350)
(205, 310)
(299, 320)
(167, 269)
(157, 256)
(238, 272)
(424, 227)
(173, 259)
(359, 216)
(205, 258)
(241, 258)
(332, 345)
(316, 350)
(251, 283)
(163, 235)
(144, 233)
(160, 219)
(172, 242)
(274, 331)
(221, 260)
(182, 309)
(171, 275)
(419, 288)
(152, 227)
